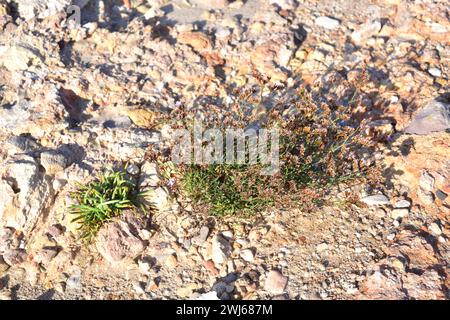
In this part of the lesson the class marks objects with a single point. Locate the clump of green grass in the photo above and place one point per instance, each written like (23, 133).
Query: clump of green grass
(227, 189)
(102, 199)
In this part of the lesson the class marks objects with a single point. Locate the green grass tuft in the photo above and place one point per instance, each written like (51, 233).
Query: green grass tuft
(101, 200)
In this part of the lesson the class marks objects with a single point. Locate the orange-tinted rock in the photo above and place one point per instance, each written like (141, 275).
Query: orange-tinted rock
(197, 40)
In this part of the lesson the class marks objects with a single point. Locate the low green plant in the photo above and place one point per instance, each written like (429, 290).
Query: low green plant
(103, 199)
(321, 149)
(226, 189)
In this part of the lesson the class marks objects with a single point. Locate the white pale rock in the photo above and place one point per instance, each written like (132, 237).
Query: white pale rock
(435, 72)
(275, 282)
(322, 247)
(159, 198)
(327, 22)
(20, 57)
(426, 181)
(402, 204)
(247, 255)
(29, 9)
(228, 234)
(150, 175)
(374, 200)
(399, 213)
(133, 169)
(32, 193)
(435, 229)
(426, 197)
(74, 281)
(221, 249)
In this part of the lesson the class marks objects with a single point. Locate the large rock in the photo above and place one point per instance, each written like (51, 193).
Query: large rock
(20, 57)
(24, 192)
(408, 273)
(29, 9)
(119, 240)
(35, 114)
(385, 286)
(427, 286)
(275, 282)
(54, 162)
(434, 117)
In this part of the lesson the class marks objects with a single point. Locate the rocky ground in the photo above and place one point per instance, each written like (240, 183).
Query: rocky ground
(75, 99)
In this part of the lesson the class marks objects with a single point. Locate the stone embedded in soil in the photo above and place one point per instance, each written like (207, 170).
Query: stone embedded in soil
(74, 281)
(116, 241)
(327, 22)
(171, 261)
(3, 266)
(435, 116)
(402, 204)
(374, 200)
(23, 143)
(150, 175)
(209, 265)
(202, 236)
(133, 169)
(435, 229)
(435, 72)
(30, 9)
(159, 198)
(247, 255)
(53, 162)
(426, 181)
(45, 255)
(20, 57)
(275, 282)
(399, 213)
(221, 249)
(426, 197)
(25, 192)
(197, 40)
(382, 286)
(14, 257)
(426, 286)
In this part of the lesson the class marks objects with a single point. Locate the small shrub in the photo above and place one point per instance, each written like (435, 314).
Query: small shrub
(101, 200)
(321, 150)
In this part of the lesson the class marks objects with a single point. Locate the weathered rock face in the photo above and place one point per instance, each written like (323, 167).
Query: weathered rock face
(410, 272)
(29, 9)
(424, 169)
(53, 161)
(275, 283)
(20, 57)
(38, 117)
(118, 240)
(25, 193)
